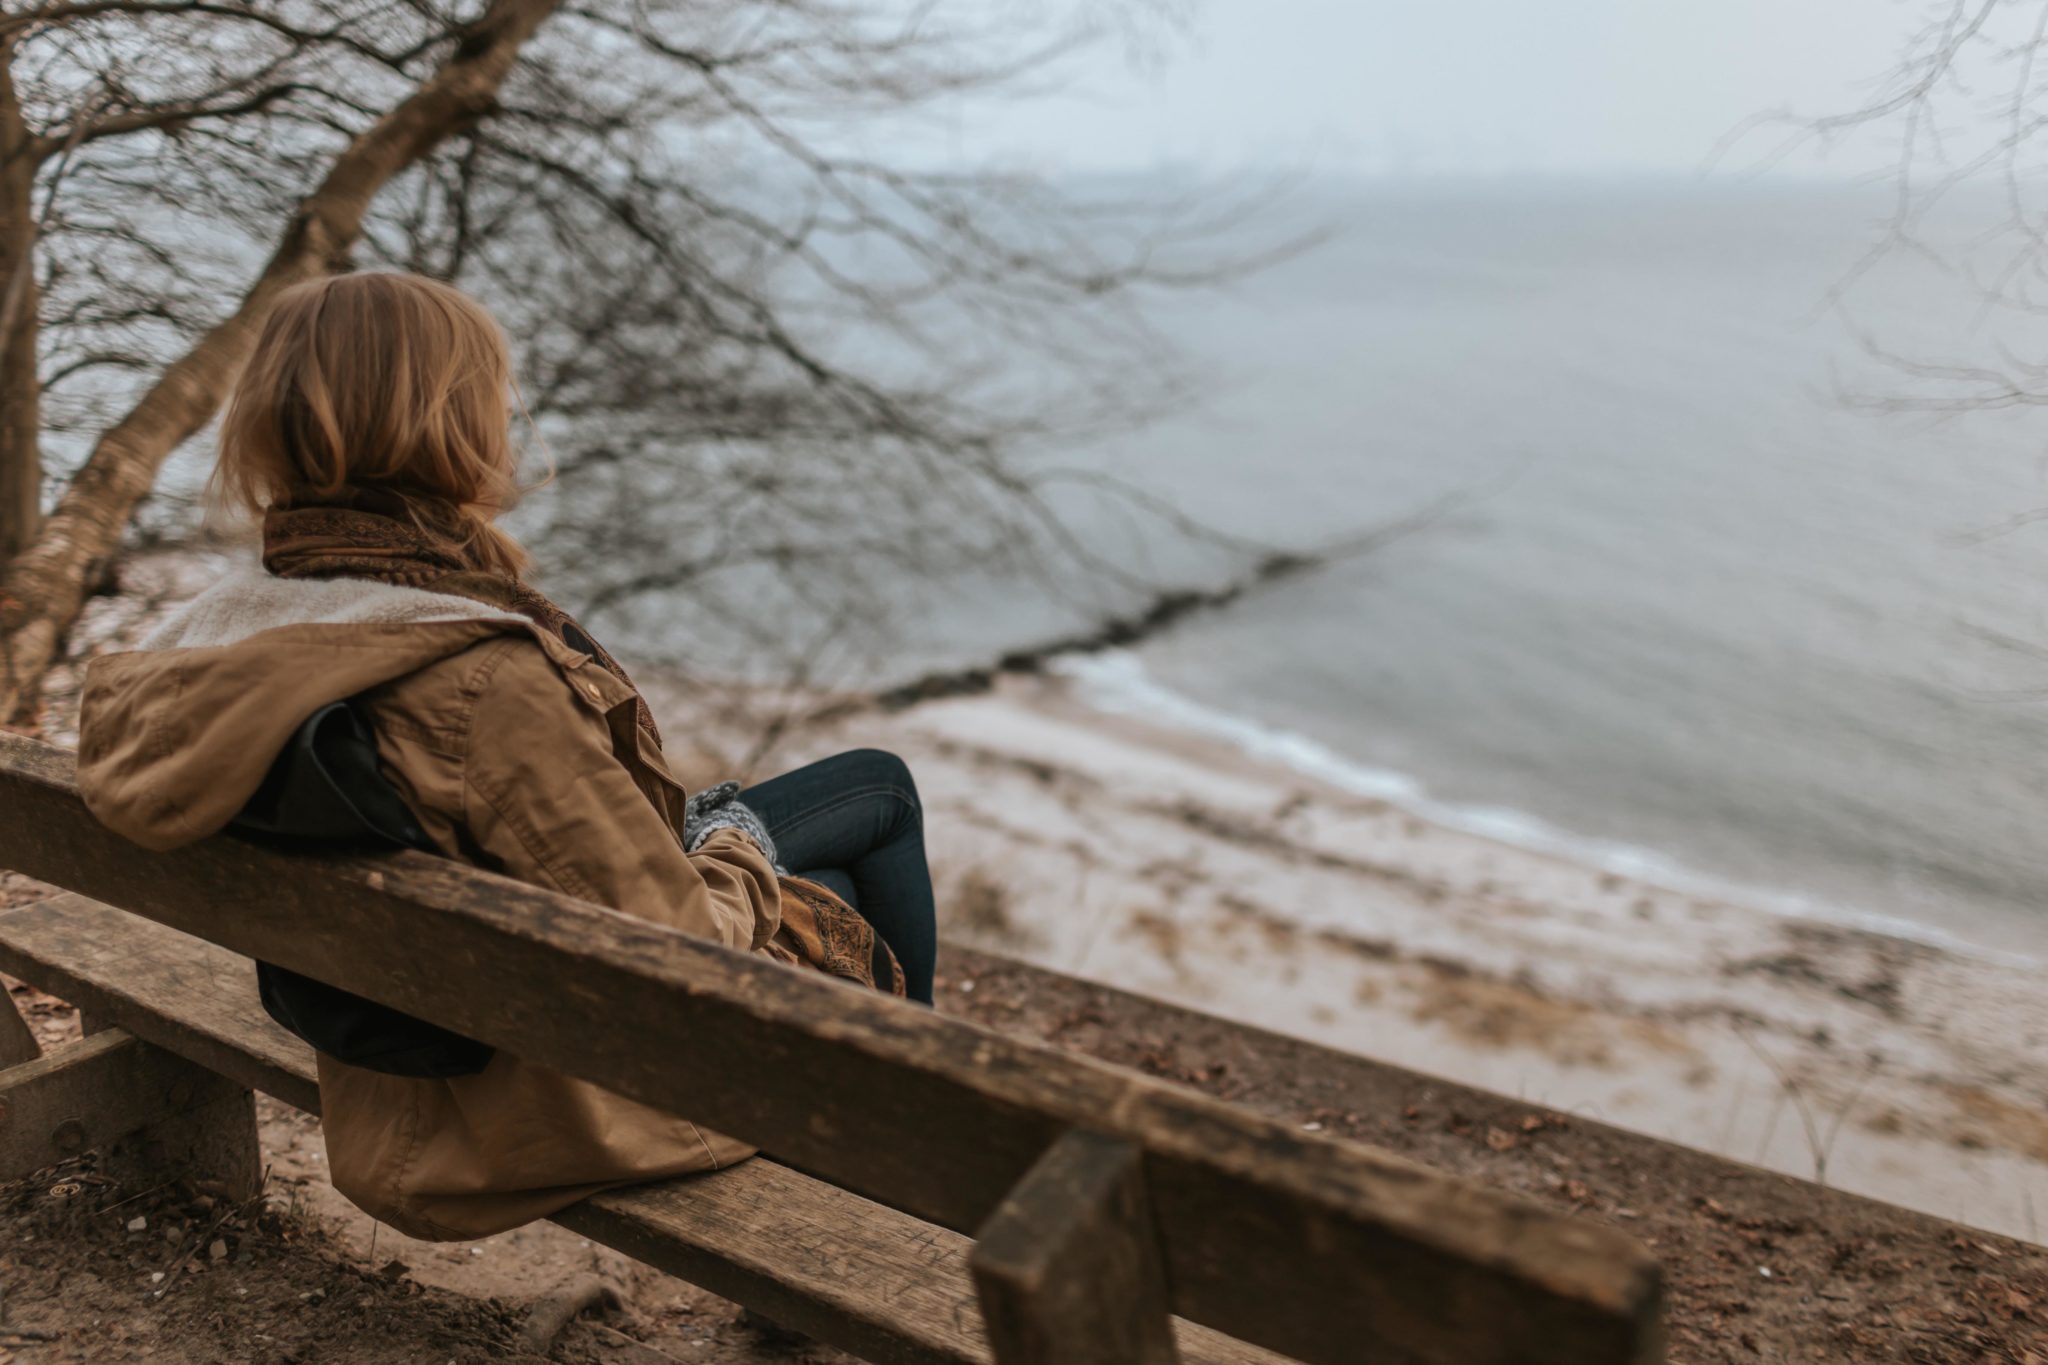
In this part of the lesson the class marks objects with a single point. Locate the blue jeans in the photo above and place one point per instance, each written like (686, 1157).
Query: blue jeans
(853, 822)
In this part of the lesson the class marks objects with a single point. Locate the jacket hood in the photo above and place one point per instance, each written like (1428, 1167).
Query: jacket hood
(176, 735)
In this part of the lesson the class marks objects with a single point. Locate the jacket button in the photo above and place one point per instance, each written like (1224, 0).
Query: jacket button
(590, 691)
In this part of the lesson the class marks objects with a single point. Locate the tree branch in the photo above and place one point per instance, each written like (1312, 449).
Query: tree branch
(45, 586)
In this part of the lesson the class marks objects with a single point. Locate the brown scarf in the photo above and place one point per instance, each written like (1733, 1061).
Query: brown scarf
(823, 932)
(413, 543)
(372, 533)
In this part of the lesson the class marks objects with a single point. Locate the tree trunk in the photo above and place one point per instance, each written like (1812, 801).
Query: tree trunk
(21, 463)
(44, 587)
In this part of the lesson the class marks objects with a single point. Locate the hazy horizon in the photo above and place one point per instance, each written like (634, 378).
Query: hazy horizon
(1582, 88)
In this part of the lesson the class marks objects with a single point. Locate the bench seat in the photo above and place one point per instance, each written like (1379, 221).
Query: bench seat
(861, 1276)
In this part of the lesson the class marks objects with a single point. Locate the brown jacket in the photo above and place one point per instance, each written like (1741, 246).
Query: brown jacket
(517, 754)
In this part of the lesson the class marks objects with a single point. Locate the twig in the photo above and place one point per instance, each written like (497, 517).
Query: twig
(553, 1312)
(1819, 1148)
(133, 1197)
(171, 1275)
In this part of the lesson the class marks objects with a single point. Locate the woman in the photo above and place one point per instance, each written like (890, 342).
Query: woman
(371, 431)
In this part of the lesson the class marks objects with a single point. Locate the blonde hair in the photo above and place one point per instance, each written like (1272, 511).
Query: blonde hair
(379, 380)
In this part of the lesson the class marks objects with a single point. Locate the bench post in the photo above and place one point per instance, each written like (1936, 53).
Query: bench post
(17, 1041)
(151, 1115)
(1068, 1268)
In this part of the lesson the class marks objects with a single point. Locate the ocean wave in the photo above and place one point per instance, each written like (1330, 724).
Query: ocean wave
(1116, 682)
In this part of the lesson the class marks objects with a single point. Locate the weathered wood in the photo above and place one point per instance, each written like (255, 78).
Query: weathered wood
(17, 1040)
(1068, 1267)
(854, 1274)
(178, 992)
(932, 1115)
(214, 1147)
(847, 1271)
(139, 1105)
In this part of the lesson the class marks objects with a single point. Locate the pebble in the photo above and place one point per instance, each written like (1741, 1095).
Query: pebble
(218, 1250)
(137, 1223)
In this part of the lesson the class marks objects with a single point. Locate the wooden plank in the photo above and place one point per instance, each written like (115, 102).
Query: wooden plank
(178, 992)
(17, 1040)
(1068, 1267)
(850, 1272)
(854, 1274)
(932, 1115)
(112, 1087)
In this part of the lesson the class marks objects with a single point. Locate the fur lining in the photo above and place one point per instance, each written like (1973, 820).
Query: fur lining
(249, 601)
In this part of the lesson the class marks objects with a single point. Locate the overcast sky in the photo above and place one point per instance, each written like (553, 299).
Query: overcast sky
(1476, 86)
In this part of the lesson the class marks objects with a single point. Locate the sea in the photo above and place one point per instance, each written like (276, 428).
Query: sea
(1723, 571)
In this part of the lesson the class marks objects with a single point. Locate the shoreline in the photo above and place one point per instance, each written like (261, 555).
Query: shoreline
(1124, 850)
(1115, 685)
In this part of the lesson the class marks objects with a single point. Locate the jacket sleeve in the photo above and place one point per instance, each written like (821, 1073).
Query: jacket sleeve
(544, 795)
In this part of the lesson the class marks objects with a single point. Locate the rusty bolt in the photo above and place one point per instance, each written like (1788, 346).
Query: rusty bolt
(69, 1136)
(181, 1092)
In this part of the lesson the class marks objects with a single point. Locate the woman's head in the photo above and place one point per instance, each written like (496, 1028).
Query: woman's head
(386, 381)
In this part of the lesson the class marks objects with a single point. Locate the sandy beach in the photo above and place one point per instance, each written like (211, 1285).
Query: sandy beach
(1180, 868)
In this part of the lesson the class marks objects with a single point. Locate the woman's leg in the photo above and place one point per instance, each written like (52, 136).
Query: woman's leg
(857, 813)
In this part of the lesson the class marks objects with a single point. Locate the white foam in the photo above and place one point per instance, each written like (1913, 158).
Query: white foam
(1116, 682)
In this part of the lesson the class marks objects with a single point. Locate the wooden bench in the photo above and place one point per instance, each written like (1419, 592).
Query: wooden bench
(938, 1192)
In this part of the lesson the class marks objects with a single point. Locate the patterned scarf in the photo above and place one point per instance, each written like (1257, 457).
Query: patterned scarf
(824, 933)
(374, 533)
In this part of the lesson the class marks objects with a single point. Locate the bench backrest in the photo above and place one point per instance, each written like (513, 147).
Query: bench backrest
(1324, 1250)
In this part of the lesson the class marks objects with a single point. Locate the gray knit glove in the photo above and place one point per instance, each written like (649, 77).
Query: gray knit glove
(716, 808)
(706, 801)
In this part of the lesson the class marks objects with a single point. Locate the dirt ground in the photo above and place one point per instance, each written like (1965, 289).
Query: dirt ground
(1761, 1267)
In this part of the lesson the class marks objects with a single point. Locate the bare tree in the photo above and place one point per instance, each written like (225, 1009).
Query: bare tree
(87, 94)
(1963, 116)
(768, 364)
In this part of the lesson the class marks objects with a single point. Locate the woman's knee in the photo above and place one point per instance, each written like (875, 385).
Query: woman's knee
(880, 768)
